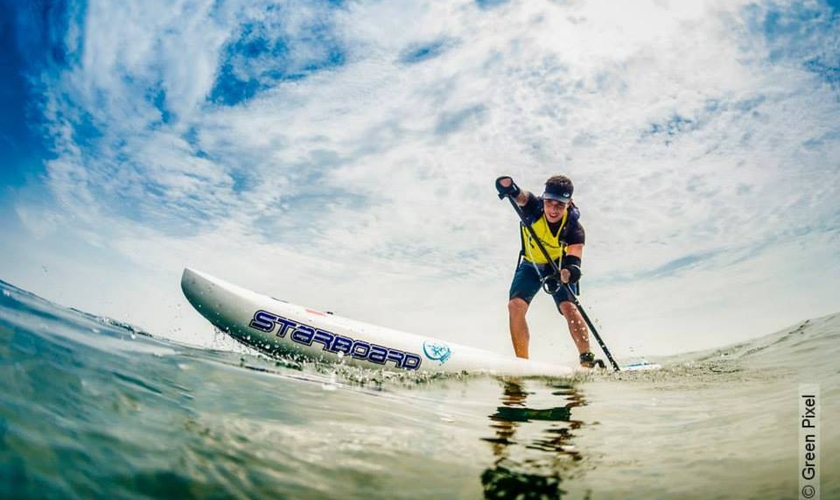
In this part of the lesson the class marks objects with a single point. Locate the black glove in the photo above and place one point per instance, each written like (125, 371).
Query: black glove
(572, 264)
(512, 190)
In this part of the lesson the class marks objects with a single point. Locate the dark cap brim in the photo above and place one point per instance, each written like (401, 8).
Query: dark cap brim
(556, 196)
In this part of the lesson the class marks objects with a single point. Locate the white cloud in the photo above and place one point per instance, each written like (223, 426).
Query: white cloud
(367, 186)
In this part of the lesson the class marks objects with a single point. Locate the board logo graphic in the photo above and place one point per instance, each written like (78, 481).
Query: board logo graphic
(437, 351)
(309, 336)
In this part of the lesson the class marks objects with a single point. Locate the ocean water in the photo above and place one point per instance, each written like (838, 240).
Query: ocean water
(93, 408)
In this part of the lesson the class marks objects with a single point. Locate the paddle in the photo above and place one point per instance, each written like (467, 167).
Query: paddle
(574, 297)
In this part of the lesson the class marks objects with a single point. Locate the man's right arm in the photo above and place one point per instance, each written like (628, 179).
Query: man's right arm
(523, 197)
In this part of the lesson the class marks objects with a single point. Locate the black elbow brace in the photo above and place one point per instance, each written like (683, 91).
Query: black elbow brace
(572, 264)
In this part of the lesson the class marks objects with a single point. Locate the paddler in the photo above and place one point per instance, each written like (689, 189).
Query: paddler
(555, 219)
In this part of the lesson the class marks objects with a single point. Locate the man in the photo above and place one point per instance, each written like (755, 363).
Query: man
(554, 218)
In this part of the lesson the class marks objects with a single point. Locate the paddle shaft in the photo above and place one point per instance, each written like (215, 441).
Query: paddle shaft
(556, 270)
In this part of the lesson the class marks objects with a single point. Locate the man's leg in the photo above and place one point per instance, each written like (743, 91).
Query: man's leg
(577, 326)
(519, 334)
(525, 284)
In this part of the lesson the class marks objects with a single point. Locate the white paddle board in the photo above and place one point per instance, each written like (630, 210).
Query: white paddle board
(280, 328)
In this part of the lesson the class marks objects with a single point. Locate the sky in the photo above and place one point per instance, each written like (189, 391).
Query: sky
(342, 155)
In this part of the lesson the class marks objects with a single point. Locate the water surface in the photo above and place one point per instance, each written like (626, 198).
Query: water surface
(93, 408)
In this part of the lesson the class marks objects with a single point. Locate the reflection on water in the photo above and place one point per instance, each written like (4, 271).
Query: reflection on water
(532, 442)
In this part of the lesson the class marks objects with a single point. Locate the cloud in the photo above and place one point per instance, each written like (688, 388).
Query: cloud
(343, 154)
(276, 43)
(803, 34)
(419, 52)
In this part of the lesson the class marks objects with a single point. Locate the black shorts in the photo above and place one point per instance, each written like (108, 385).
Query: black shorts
(527, 282)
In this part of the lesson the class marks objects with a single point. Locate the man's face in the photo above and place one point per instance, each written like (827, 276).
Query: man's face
(554, 210)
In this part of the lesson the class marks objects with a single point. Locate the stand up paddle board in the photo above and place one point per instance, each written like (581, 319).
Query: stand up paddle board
(279, 328)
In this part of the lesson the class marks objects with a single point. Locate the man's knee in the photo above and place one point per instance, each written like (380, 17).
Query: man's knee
(517, 307)
(568, 309)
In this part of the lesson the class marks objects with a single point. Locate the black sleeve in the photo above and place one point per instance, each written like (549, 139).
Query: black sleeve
(574, 234)
(532, 206)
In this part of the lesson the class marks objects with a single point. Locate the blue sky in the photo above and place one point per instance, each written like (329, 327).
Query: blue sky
(342, 155)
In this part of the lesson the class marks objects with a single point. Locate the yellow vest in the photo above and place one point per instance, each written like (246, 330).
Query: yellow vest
(556, 248)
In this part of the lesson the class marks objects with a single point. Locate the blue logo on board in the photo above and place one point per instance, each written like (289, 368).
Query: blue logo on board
(437, 351)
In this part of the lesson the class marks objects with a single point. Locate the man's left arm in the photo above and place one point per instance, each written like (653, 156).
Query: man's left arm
(570, 271)
(576, 250)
